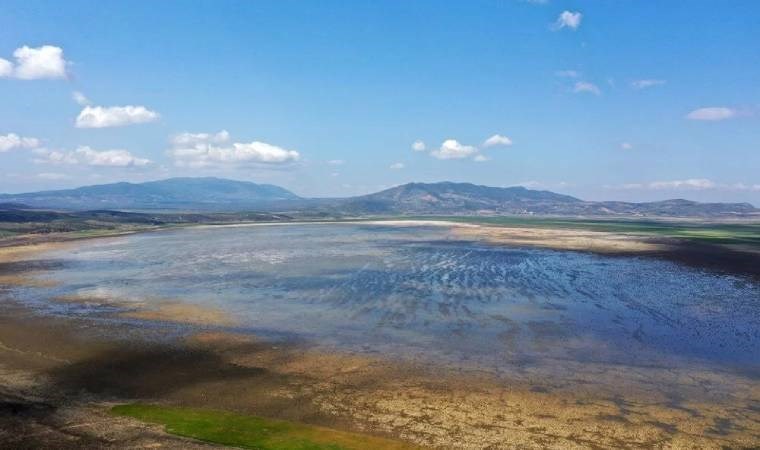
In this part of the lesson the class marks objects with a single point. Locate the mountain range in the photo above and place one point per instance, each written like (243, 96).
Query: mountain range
(445, 198)
(174, 193)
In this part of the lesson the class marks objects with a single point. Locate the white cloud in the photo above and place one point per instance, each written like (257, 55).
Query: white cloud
(80, 98)
(214, 150)
(191, 139)
(692, 183)
(336, 162)
(35, 63)
(584, 86)
(12, 141)
(114, 116)
(6, 68)
(626, 145)
(712, 113)
(497, 140)
(567, 73)
(481, 158)
(397, 166)
(452, 149)
(85, 155)
(643, 84)
(568, 19)
(418, 146)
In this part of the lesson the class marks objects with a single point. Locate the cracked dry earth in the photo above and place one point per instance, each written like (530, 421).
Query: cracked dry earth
(593, 408)
(57, 396)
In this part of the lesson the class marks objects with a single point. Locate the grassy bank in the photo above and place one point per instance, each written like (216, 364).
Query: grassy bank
(250, 431)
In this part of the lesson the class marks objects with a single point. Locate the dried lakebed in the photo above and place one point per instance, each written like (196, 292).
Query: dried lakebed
(577, 348)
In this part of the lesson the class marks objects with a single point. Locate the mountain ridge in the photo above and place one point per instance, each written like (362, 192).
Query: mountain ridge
(170, 193)
(442, 198)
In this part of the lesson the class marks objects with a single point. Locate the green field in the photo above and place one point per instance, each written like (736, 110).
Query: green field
(251, 432)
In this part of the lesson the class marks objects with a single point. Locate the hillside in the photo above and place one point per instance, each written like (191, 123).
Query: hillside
(445, 198)
(459, 198)
(468, 199)
(173, 193)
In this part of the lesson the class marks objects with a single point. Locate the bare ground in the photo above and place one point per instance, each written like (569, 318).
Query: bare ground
(58, 376)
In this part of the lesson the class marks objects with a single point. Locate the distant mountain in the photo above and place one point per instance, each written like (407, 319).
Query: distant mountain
(215, 194)
(467, 199)
(173, 193)
(12, 206)
(458, 198)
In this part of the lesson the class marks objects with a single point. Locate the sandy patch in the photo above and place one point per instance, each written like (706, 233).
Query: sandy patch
(579, 240)
(181, 313)
(27, 252)
(22, 256)
(160, 310)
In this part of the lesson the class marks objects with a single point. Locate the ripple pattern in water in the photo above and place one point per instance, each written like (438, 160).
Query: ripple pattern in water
(398, 290)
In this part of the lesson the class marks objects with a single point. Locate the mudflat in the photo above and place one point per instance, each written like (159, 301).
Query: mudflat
(60, 375)
(731, 259)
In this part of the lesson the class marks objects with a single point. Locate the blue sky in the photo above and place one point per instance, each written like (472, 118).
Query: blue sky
(603, 99)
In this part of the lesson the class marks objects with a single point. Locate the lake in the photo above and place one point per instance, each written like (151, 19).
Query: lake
(420, 293)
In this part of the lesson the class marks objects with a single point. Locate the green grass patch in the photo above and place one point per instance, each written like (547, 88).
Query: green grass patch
(252, 432)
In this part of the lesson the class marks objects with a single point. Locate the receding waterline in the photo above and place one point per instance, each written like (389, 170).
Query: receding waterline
(419, 290)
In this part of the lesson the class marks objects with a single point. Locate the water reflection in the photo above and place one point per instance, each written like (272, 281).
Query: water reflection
(417, 291)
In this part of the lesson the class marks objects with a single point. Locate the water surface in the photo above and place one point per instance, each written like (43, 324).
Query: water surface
(420, 292)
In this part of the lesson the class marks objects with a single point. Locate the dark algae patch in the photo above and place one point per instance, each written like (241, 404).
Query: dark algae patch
(251, 432)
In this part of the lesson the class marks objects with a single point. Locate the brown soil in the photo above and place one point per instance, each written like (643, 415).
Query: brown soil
(58, 376)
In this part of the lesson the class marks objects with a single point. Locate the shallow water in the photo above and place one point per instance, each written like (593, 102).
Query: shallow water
(419, 292)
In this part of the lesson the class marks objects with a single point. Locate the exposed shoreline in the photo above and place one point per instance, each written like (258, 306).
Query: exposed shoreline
(721, 258)
(63, 372)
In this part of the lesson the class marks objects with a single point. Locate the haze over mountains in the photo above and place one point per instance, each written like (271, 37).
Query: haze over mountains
(445, 198)
(173, 193)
